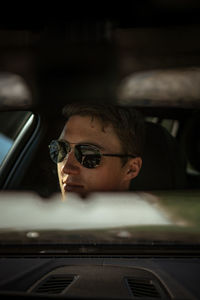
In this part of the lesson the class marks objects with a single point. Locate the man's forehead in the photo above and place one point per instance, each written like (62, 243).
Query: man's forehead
(80, 129)
(87, 122)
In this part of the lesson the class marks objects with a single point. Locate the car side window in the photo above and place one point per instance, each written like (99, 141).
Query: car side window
(11, 124)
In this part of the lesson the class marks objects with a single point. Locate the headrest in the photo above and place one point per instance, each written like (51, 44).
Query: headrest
(163, 163)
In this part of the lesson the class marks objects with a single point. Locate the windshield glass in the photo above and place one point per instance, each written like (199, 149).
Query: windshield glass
(99, 136)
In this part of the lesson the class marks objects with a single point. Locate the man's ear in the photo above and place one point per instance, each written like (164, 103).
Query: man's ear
(133, 167)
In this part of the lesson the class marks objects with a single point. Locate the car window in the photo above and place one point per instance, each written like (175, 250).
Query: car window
(11, 124)
(6, 144)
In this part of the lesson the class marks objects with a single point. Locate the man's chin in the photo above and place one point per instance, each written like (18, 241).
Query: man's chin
(74, 189)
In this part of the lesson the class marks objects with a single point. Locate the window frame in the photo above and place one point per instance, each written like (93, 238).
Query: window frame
(19, 156)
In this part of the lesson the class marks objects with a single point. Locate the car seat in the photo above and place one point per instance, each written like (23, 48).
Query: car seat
(163, 165)
(190, 141)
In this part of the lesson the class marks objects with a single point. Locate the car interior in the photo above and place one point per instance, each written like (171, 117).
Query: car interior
(67, 58)
(165, 159)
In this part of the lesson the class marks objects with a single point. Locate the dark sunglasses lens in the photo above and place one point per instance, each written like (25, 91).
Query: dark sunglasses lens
(91, 161)
(87, 156)
(58, 150)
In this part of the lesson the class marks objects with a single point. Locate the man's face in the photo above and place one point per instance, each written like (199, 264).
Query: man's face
(108, 176)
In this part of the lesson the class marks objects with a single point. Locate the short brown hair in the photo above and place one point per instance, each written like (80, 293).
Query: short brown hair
(127, 122)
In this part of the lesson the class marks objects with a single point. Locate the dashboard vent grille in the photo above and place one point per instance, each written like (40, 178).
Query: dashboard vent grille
(143, 288)
(54, 284)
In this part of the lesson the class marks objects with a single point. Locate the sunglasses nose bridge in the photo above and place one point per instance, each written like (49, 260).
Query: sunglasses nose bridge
(70, 165)
(70, 151)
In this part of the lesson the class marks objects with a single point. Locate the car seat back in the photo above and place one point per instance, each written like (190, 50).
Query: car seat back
(163, 162)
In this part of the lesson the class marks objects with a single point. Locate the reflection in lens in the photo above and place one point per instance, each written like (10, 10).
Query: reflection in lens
(91, 161)
(53, 151)
(78, 154)
(58, 150)
(63, 150)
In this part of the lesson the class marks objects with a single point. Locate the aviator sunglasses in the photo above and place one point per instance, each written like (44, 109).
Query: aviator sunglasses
(87, 155)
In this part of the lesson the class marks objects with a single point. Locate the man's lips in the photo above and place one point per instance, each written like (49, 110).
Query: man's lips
(72, 187)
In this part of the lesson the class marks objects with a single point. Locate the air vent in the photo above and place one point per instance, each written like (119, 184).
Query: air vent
(54, 284)
(143, 288)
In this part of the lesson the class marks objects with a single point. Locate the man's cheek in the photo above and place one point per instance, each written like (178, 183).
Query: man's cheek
(93, 179)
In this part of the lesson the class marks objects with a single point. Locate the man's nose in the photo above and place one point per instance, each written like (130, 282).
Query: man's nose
(70, 165)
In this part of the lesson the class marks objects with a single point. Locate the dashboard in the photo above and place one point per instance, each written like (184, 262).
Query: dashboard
(98, 277)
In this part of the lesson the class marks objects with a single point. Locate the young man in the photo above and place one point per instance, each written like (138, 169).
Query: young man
(99, 149)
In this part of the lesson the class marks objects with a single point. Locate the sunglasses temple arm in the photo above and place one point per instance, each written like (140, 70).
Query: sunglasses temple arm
(120, 155)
